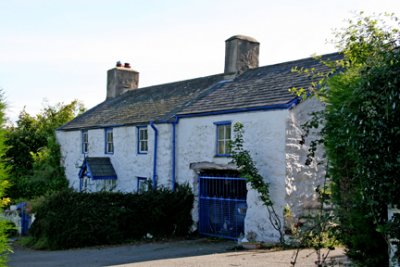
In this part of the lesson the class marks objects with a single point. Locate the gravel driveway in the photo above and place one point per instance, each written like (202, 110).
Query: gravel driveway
(188, 253)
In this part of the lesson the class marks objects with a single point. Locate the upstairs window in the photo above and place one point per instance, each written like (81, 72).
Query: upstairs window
(109, 141)
(143, 137)
(224, 140)
(85, 142)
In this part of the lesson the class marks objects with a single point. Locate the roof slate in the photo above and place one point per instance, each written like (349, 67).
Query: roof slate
(257, 87)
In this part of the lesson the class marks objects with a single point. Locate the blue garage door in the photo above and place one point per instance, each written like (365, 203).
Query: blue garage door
(222, 206)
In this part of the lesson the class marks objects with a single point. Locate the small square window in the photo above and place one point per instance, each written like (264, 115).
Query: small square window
(142, 140)
(109, 141)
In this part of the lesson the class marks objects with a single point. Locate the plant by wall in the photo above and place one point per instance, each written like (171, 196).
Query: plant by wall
(317, 230)
(70, 219)
(362, 132)
(248, 170)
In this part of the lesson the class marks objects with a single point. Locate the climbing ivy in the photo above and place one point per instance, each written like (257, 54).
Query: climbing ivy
(248, 170)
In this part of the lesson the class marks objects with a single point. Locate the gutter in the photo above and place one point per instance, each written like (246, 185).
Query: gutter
(154, 183)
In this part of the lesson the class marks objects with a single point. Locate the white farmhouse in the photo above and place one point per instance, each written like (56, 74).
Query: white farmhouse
(178, 133)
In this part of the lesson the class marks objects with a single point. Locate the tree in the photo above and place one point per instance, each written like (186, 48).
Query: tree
(4, 226)
(33, 155)
(362, 133)
(363, 136)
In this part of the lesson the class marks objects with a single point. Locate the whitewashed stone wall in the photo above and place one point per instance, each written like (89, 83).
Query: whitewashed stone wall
(127, 163)
(264, 137)
(71, 155)
(272, 137)
(301, 180)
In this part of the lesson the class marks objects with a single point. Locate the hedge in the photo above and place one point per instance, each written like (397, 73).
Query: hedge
(70, 219)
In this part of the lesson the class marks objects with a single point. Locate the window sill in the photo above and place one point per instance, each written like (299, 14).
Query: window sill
(223, 155)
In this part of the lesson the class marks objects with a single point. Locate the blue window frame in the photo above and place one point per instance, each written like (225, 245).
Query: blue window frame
(85, 142)
(109, 141)
(223, 138)
(142, 140)
(142, 185)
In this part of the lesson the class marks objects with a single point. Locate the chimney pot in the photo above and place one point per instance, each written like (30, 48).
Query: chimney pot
(127, 65)
(119, 64)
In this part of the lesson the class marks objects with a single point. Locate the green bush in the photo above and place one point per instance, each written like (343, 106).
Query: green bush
(72, 219)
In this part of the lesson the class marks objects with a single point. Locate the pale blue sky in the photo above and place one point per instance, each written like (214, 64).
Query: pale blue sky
(58, 50)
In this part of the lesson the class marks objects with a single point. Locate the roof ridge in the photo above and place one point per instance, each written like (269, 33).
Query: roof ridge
(177, 82)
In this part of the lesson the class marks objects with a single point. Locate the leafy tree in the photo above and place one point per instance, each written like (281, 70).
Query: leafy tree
(4, 226)
(33, 155)
(362, 133)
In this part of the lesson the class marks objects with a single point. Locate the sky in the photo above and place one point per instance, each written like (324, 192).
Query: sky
(57, 51)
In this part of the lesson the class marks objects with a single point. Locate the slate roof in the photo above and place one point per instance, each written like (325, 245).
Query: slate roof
(254, 88)
(100, 168)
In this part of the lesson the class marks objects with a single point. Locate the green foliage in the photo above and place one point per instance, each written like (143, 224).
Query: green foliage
(70, 219)
(362, 134)
(318, 229)
(4, 225)
(248, 170)
(32, 153)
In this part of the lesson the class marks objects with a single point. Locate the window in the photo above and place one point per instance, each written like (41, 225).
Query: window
(90, 185)
(85, 142)
(107, 185)
(142, 140)
(223, 138)
(142, 184)
(109, 141)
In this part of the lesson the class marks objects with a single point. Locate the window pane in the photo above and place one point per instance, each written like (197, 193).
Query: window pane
(144, 134)
(145, 148)
(85, 147)
(220, 132)
(221, 147)
(140, 134)
(227, 132)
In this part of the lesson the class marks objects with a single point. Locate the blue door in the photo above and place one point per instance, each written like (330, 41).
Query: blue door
(222, 206)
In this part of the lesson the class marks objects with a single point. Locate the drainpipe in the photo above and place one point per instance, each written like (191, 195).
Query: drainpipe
(155, 155)
(174, 123)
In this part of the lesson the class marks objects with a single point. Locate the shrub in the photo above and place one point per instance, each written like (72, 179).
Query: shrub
(69, 219)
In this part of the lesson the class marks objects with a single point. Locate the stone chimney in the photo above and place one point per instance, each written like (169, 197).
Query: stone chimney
(241, 54)
(121, 79)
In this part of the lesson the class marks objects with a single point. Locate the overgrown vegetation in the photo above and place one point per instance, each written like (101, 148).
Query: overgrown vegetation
(248, 170)
(70, 219)
(318, 229)
(361, 134)
(32, 153)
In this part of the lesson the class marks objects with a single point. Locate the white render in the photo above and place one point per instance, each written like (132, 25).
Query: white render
(302, 180)
(271, 136)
